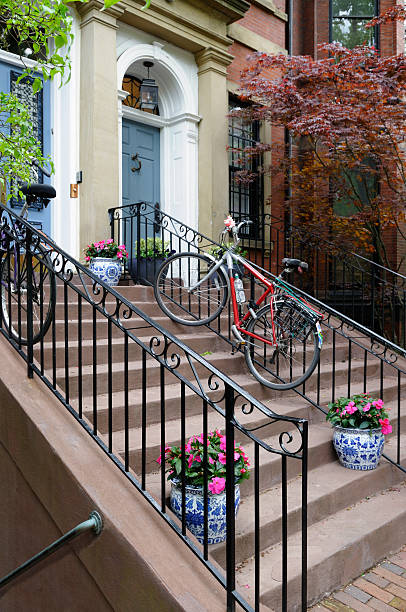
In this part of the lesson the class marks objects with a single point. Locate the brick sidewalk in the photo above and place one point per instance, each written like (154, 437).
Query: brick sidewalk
(383, 588)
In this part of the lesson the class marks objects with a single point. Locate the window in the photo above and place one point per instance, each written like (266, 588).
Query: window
(348, 19)
(245, 199)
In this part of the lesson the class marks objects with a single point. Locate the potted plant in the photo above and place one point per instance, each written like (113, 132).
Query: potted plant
(194, 480)
(360, 424)
(147, 260)
(106, 258)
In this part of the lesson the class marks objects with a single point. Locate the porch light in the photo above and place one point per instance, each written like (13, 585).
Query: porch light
(148, 91)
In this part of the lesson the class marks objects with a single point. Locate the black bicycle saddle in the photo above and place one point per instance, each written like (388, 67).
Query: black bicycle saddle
(294, 263)
(38, 190)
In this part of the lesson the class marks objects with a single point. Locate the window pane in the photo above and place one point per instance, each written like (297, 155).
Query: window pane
(355, 8)
(352, 32)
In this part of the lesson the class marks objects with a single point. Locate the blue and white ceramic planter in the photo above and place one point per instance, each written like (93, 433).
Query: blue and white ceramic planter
(358, 449)
(107, 269)
(217, 530)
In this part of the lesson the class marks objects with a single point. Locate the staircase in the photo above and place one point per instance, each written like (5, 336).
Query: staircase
(354, 518)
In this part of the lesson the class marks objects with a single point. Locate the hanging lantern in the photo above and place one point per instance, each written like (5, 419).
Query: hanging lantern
(148, 91)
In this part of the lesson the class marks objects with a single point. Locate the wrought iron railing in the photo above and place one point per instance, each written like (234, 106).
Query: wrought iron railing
(354, 359)
(122, 376)
(365, 291)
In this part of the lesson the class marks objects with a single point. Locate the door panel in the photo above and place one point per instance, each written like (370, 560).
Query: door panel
(141, 175)
(39, 106)
(141, 179)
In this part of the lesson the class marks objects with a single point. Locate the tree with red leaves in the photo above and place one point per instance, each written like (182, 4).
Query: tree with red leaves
(346, 115)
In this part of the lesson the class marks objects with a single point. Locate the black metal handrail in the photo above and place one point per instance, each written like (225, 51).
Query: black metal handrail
(94, 523)
(118, 372)
(365, 350)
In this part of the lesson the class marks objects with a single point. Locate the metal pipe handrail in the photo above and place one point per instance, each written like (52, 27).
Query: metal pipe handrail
(94, 522)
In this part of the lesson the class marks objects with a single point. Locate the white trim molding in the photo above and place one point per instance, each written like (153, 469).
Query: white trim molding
(178, 122)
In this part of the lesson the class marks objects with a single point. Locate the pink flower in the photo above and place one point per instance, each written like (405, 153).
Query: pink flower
(110, 241)
(159, 460)
(243, 470)
(350, 408)
(222, 458)
(87, 258)
(217, 485)
(119, 255)
(121, 247)
(366, 407)
(229, 222)
(378, 404)
(236, 456)
(211, 460)
(386, 427)
(223, 443)
(190, 460)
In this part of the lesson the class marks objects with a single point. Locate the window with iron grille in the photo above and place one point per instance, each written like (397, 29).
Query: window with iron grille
(348, 19)
(245, 199)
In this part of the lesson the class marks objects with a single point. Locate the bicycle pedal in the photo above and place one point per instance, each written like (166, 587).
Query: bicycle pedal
(237, 335)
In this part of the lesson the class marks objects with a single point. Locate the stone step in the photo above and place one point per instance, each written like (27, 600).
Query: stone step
(329, 491)
(340, 547)
(271, 398)
(203, 343)
(233, 366)
(320, 433)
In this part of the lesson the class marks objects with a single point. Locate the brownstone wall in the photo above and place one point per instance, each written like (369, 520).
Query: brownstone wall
(52, 476)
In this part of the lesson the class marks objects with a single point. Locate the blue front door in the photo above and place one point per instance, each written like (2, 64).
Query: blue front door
(39, 105)
(141, 153)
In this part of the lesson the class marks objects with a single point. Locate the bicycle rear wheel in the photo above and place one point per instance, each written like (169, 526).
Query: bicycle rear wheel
(296, 354)
(13, 294)
(196, 307)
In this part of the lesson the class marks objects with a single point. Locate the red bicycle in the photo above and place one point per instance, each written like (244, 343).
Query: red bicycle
(279, 330)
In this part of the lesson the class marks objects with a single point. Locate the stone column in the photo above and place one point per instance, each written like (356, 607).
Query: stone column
(213, 139)
(98, 120)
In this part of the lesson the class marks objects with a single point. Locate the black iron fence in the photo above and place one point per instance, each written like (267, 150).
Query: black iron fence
(354, 358)
(135, 387)
(365, 291)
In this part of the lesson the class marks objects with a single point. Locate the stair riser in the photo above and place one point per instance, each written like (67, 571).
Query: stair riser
(150, 308)
(369, 483)
(270, 472)
(135, 380)
(201, 345)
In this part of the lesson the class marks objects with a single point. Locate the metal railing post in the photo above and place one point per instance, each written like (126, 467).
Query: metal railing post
(28, 264)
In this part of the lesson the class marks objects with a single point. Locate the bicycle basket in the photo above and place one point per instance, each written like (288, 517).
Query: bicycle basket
(292, 320)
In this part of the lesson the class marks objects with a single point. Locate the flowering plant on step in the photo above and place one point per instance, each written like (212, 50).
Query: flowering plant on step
(359, 411)
(106, 248)
(216, 461)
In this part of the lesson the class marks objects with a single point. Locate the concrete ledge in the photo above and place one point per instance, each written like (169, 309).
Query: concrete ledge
(252, 40)
(137, 563)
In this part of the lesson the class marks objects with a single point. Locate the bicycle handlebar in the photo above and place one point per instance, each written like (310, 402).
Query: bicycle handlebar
(234, 231)
(36, 164)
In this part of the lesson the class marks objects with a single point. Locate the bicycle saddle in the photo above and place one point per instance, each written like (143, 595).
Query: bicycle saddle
(295, 263)
(38, 190)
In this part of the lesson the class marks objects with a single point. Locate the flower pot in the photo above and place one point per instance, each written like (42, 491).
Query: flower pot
(107, 269)
(358, 449)
(217, 529)
(144, 271)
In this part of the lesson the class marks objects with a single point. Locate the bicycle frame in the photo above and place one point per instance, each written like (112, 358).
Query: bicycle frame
(238, 327)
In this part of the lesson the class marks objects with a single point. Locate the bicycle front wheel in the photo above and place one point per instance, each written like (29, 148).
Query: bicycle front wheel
(175, 294)
(296, 354)
(14, 294)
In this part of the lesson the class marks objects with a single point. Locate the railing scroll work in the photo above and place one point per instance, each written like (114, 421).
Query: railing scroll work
(123, 377)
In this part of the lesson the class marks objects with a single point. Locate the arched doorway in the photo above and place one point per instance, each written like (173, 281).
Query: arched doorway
(170, 135)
